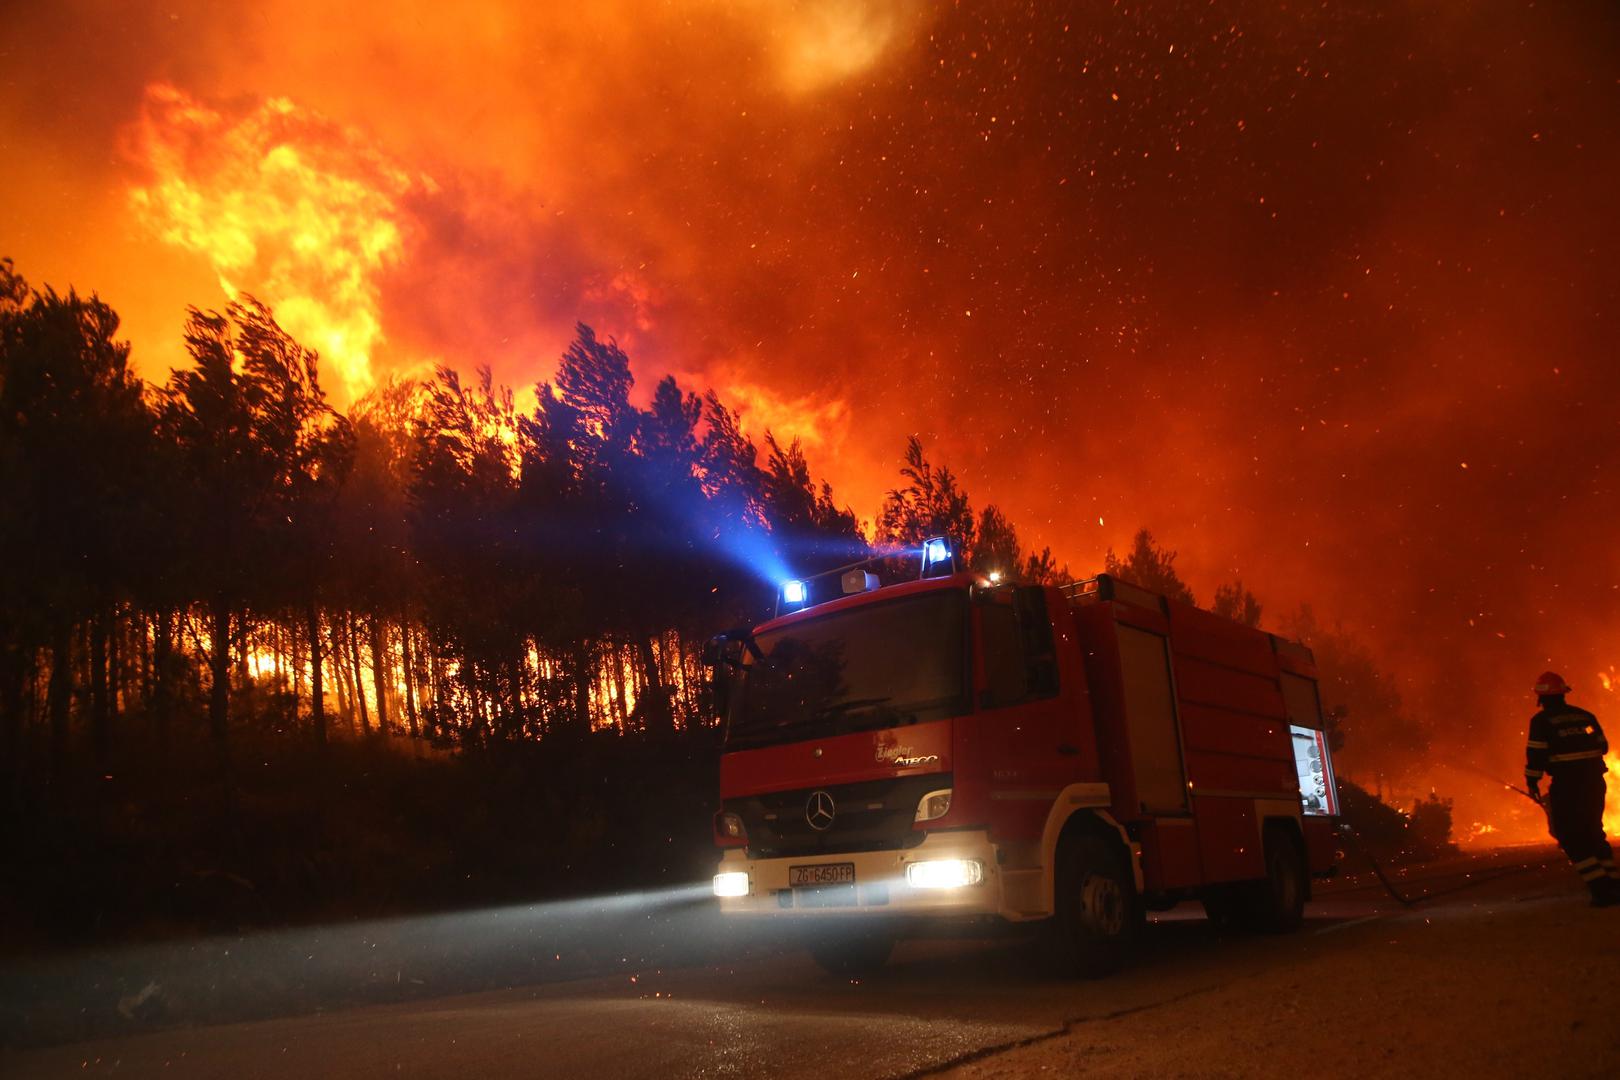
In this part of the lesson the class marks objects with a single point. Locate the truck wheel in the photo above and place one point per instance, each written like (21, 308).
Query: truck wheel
(1097, 916)
(851, 952)
(1277, 903)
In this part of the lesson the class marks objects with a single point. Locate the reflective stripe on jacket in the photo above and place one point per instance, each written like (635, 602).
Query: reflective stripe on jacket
(1559, 736)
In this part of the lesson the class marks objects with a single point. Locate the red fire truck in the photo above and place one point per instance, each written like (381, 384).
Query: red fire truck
(957, 747)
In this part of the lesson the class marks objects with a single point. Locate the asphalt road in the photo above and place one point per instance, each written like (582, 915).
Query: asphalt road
(1505, 972)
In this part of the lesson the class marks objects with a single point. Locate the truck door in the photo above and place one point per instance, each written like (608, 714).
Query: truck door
(1025, 718)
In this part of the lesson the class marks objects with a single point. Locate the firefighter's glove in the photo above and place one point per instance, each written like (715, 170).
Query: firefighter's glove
(1534, 791)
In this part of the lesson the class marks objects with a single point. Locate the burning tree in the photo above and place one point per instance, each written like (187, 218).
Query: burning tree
(254, 443)
(443, 565)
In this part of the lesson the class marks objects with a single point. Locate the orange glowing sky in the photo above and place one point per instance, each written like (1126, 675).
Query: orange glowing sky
(1326, 298)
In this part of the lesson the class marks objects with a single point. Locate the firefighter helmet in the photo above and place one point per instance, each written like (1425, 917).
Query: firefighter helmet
(1551, 684)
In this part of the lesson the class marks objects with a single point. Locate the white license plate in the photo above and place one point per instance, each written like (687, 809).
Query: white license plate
(842, 873)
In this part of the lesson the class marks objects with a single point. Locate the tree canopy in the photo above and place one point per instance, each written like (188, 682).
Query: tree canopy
(439, 562)
(227, 548)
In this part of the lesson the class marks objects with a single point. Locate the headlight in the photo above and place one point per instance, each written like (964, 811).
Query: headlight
(944, 873)
(935, 804)
(732, 883)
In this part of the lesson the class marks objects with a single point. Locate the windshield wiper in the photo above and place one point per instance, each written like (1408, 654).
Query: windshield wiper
(787, 730)
(859, 714)
(844, 708)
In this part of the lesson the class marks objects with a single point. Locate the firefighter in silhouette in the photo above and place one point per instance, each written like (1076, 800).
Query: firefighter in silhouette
(1566, 744)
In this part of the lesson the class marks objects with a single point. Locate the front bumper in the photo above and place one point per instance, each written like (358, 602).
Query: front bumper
(880, 883)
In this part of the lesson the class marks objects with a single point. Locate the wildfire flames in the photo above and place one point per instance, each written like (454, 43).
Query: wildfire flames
(1611, 815)
(283, 203)
(1163, 266)
(306, 214)
(351, 683)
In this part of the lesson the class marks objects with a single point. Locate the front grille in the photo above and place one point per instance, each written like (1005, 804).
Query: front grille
(873, 815)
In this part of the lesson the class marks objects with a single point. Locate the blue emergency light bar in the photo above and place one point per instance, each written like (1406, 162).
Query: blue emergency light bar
(938, 560)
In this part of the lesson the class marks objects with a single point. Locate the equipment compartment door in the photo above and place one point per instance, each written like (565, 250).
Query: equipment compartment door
(1312, 760)
(1150, 718)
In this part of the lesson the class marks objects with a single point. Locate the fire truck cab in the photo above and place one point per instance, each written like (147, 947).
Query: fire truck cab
(953, 747)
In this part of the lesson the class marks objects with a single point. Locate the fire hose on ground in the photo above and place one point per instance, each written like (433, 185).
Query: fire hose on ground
(1354, 838)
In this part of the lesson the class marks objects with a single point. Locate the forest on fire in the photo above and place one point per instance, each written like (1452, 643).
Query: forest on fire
(240, 628)
(434, 564)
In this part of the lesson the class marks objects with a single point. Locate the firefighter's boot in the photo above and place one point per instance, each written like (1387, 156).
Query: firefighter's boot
(1605, 892)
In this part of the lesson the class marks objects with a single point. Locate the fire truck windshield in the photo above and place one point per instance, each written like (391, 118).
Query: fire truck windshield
(879, 665)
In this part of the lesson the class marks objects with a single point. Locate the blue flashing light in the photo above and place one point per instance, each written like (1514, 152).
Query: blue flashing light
(794, 592)
(936, 551)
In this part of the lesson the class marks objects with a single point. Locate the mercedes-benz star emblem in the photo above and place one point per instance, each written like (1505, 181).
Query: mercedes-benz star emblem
(819, 811)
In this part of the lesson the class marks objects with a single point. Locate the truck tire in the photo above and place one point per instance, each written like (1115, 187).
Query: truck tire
(1277, 903)
(851, 952)
(1094, 929)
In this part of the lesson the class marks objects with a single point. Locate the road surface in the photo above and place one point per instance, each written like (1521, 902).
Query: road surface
(1506, 972)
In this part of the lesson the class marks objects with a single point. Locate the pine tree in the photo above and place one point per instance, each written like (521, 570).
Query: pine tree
(75, 456)
(930, 504)
(1149, 566)
(1233, 601)
(254, 438)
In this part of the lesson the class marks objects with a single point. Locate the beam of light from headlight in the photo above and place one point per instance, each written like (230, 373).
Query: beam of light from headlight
(267, 972)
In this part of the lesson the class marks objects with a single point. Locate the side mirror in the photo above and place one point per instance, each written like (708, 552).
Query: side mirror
(722, 655)
(720, 691)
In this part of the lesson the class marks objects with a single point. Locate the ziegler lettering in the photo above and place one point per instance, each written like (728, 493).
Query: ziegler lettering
(901, 757)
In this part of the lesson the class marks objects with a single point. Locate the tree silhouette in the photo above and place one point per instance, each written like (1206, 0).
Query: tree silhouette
(364, 539)
(934, 503)
(731, 477)
(1233, 601)
(997, 549)
(1366, 715)
(930, 504)
(737, 514)
(74, 434)
(810, 527)
(1150, 567)
(441, 566)
(1041, 568)
(661, 548)
(254, 440)
(206, 563)
(465, 517)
